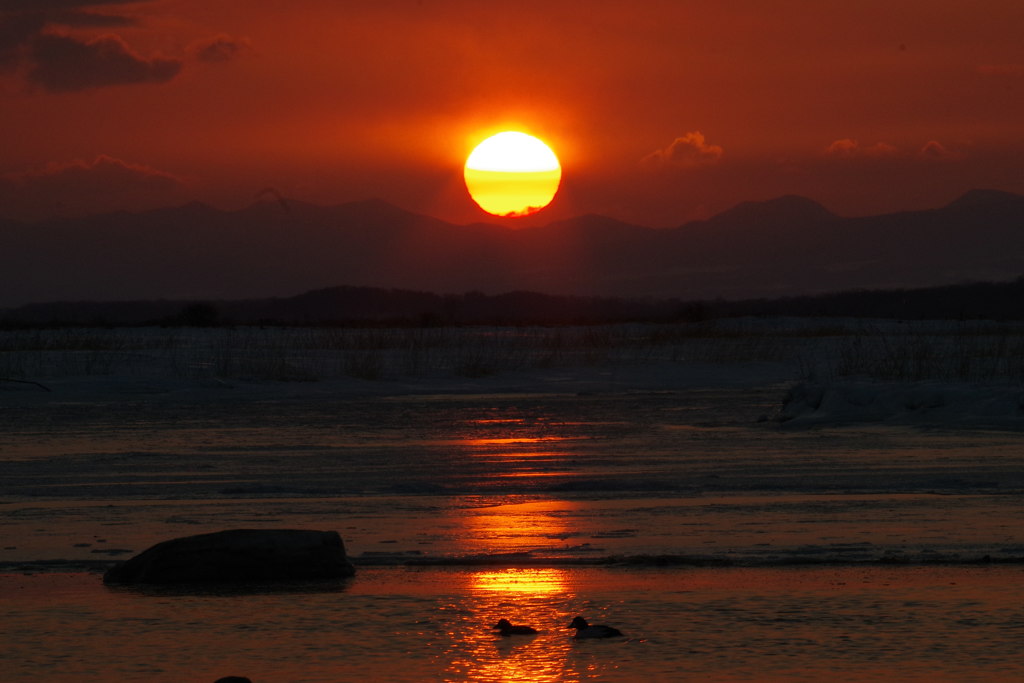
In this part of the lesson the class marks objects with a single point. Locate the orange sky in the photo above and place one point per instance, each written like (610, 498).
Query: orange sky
(661, 111)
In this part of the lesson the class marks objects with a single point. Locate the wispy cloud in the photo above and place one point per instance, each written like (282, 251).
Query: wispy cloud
(687, 151)
(848, 148)
(221, 48)
(934, 150)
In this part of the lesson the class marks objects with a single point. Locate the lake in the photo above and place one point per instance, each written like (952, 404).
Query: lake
(663, 498)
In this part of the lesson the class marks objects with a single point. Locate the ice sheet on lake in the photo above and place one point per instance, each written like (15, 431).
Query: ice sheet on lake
(945, 404)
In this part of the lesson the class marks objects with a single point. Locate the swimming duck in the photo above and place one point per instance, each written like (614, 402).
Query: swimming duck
(585, 630)
(507, 628)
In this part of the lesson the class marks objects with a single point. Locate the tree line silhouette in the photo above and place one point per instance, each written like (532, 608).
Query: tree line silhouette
(372, 306)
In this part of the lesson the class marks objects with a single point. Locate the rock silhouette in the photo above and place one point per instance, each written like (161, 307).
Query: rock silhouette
(238, 555)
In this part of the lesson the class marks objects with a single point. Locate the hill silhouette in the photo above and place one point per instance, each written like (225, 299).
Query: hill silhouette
(368, 306)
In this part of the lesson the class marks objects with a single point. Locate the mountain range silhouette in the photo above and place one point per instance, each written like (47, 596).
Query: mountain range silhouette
(786, 246)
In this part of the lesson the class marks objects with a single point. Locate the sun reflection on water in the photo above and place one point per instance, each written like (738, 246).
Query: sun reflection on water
(539, 527)
(501, 441)
(527, 596)
(520, 580)
(539, 597)
(515, 453)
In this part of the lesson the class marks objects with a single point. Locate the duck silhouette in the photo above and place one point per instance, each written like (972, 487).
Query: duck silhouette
(507, 628)
(585, 630)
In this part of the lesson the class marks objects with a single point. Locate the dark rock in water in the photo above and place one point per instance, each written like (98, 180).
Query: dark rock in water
(238, 555)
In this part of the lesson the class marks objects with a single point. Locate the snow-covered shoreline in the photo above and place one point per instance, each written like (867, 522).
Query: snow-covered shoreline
(929, 404)
(828, 371)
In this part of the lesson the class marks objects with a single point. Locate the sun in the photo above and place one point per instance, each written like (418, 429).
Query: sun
(512, 174)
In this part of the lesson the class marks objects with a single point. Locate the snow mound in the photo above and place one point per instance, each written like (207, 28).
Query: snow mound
(942, 404)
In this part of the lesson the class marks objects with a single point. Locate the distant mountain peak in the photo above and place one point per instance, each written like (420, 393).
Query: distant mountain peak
(378, 209)
(984, 198)
(364, 211)
(788, 208)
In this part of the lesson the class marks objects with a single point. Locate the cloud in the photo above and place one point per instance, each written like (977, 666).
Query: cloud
(15, 31)
(91, 19)
(80, 187)
(58, 62)
(841, 148)
(20, 21)
(936, 151)
(51, 5)
(222, 48)
(62, 64)
(687, 151)
(847, 148)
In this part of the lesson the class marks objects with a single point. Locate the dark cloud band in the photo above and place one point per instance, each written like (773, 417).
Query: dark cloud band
(43, 6)
(62, 63)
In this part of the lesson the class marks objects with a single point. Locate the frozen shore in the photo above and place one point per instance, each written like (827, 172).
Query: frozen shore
(841, 371)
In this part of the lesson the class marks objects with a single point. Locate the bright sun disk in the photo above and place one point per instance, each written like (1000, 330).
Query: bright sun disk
(512, 174)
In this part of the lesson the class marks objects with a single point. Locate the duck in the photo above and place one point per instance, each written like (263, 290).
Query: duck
(507, 628)
(585, 630)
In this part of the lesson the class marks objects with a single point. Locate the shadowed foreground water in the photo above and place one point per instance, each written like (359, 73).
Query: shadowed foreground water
(396, 624)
